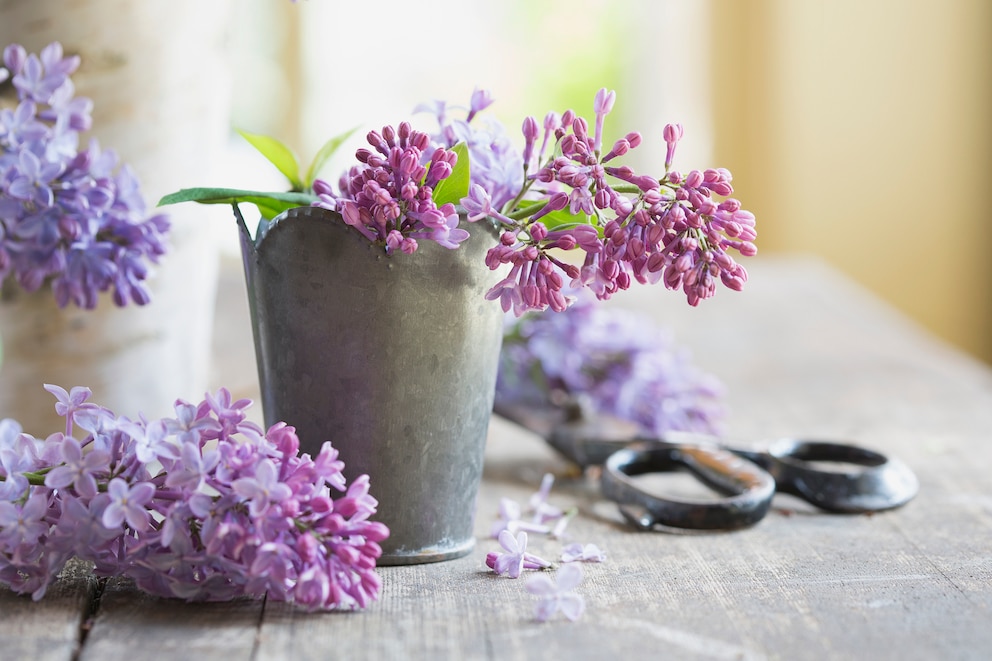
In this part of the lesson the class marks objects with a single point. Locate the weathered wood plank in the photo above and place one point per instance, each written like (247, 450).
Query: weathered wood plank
(135, 626)
(49, 629)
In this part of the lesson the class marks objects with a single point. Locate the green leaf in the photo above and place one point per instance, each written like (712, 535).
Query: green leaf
(269, 205)
(561, 219)
(453, 188)
(325, 153)
(278, 154)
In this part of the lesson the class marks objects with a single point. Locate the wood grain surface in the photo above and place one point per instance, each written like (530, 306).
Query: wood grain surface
(802, 352)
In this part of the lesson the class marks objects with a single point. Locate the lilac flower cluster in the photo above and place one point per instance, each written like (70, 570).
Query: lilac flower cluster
(613, 361)
(565, 191)
(389, 195)
(202, 506)
(630, 226)
(511, 532)
(69, 217)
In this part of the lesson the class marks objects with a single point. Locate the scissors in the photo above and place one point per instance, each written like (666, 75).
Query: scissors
(864, 480)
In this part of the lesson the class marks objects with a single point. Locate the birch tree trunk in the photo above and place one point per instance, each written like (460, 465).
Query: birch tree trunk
(157, 75)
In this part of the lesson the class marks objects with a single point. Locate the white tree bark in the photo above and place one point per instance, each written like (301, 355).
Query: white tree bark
(156, 73)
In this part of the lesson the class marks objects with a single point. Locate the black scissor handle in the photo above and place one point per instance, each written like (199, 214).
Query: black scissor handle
(748, 488)
(877, 483)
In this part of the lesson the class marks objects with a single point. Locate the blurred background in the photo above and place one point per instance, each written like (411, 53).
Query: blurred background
(857, 130)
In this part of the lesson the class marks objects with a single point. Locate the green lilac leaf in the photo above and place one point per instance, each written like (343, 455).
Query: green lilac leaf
(269, 205)
(455, 187)
(324, 154)
(278, 154)
(561, 219)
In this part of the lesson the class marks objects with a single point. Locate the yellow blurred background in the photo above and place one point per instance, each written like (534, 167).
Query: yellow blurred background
(861, 131)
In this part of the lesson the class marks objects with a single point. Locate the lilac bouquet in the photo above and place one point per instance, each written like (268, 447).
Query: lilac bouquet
(609, 360)
(71, 218)
(564, 191)
(202, 506)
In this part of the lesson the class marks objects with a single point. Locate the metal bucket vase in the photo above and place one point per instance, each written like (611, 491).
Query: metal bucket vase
(391, 358)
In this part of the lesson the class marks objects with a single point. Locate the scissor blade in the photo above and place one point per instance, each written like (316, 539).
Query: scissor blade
(585, 440)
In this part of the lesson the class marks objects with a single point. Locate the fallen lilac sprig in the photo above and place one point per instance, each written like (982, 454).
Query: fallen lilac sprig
(203, 506)
(614, 361)
(69, 217)
(553, 596)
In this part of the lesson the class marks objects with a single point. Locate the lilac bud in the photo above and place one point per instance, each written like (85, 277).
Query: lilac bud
(481, 99)
(694, 179)
(655, 235)
(656, 262)
(377, 142)
(530, 131)
(389, 135)
(747, 248)
(673, 133)
(530, 128)
(420, 141)
(603, 103)
(14, 57)
(538, 232)
(551, 121)
(620, 147)
(580, 127)
(321, 187)
(508, 238)
(557, 202)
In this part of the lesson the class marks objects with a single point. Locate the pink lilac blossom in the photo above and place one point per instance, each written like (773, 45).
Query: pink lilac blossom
(612, 360)
(388, 196)
(203, 506)
(567, 194)
(70, 218)
(560, 596)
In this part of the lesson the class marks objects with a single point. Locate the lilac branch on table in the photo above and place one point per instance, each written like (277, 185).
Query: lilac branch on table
(69, 217)
(203, 506)
(610, 360)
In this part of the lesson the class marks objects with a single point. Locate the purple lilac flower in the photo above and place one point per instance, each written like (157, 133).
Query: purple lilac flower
(514, 558)
(496, 164)
(610, 360)
(70, 218)
(560, 596)
(582, 553)
(204, 506)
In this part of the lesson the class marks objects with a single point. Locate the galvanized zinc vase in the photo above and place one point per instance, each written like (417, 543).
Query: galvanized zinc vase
(392, 358)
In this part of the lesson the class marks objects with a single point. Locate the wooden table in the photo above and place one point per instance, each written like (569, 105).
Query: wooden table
(802, 352)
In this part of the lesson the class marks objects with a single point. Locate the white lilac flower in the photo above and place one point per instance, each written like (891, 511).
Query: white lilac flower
(582, 553)
(560, 596)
